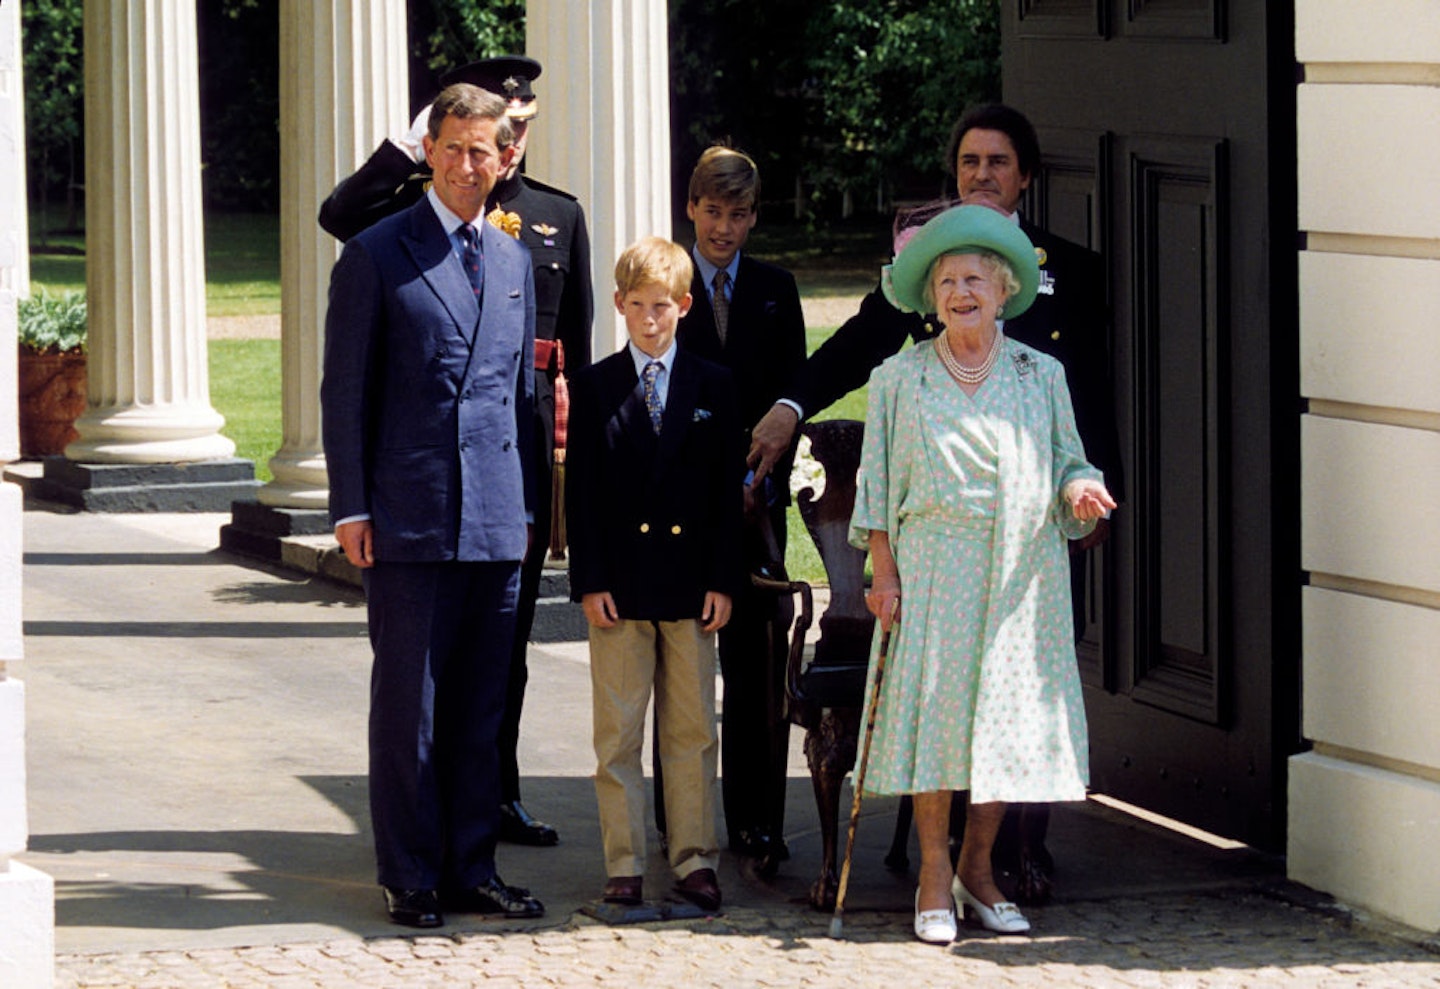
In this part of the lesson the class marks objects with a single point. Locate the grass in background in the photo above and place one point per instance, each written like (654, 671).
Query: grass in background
(245, 389)
(242, 262)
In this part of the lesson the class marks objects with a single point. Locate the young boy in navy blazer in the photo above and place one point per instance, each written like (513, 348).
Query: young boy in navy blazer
(655, 472)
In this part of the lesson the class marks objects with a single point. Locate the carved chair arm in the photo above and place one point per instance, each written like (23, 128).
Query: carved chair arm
(795, 661)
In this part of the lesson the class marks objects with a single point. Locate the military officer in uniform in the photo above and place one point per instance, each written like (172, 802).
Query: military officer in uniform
(551, 223)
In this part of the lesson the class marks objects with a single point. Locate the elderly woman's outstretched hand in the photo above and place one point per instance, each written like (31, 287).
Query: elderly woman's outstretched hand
(1088, 499)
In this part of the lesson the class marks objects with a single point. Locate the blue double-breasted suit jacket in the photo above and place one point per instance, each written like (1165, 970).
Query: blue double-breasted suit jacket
(427, 393)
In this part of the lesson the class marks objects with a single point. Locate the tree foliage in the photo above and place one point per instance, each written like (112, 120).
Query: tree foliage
(239, 44)
(848, 96)
(842, 100)
(54, 79)
(890, 77)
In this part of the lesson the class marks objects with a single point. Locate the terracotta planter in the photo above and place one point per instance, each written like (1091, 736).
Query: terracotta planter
(52, 396)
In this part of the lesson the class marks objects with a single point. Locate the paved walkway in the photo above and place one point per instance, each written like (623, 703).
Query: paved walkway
(197, 789)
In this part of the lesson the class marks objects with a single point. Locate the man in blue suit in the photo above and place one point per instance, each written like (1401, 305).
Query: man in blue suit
(427, 399)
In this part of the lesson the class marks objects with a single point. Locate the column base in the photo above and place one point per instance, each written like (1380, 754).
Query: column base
(203, 486)
(27, 938)
(260, 530)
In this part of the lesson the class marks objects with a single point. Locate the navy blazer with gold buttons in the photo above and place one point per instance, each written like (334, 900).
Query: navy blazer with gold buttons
(654, 520)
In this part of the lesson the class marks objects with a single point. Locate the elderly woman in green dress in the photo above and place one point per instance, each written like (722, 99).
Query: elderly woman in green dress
(971, 480)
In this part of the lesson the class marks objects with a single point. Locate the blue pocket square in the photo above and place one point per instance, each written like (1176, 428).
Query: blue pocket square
(700, 415)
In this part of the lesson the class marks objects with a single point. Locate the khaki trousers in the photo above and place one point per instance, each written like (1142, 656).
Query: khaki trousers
(677, 660)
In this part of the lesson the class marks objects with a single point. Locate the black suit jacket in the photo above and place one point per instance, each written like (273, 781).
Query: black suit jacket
(654, 520)
(1068, 320)
(764, 342)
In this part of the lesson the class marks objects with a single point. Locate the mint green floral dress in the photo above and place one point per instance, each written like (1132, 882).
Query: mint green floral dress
(981, 689)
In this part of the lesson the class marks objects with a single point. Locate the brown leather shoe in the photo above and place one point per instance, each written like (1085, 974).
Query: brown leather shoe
(701, 888)
(624, 890)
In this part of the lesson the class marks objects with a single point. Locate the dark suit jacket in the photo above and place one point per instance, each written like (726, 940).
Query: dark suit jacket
(552, 226)
(427, 394)
(764, 342)
(654, 520)
(1068, 320)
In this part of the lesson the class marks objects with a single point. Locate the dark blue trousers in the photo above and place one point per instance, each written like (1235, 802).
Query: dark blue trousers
(442, 635)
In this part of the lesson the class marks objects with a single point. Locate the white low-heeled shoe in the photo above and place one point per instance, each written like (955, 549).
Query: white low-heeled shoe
(934, 926)
(1003, 918)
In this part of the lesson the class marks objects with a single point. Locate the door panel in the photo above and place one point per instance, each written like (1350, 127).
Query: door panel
(1158, 122)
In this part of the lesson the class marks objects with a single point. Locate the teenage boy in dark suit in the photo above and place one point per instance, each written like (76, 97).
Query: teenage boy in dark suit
(655, 474)
(747, 317)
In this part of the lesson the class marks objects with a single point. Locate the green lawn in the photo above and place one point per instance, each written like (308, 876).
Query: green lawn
(245, 389)
(242, 262)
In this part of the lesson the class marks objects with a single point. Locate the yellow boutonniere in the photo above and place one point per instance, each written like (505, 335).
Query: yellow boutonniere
(508, 222)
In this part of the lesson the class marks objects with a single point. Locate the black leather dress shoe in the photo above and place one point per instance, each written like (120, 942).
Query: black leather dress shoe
(413, 907)
(519, 828)
(495, 897)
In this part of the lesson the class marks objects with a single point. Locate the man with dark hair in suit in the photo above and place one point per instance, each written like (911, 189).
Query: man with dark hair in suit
(552, 224)
(995, 154)
(427, 396)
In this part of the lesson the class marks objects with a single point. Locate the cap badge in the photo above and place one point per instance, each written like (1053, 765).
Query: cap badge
(511, 86)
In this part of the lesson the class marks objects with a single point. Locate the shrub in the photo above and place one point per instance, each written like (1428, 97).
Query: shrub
(52, 324)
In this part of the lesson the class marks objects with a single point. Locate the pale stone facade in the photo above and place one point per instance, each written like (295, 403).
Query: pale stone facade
(1365, 802)
(27, 897)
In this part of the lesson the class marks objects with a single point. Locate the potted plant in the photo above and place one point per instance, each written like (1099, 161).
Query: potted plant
(52, 371)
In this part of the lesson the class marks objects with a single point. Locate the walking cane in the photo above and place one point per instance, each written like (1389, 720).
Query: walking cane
(837, 921)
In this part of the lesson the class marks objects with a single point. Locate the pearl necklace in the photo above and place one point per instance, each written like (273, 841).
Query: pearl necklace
(961, 373)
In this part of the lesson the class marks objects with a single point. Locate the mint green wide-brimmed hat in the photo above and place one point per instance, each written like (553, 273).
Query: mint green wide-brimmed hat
(957, 231)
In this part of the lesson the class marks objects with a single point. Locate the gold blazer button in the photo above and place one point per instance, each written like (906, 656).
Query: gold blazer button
(644, 526)
(674, 530)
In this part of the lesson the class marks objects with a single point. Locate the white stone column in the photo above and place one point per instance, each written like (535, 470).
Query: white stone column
(27, 897)
(343, 88)
(149, 386)
(604, 128)
(14, 238)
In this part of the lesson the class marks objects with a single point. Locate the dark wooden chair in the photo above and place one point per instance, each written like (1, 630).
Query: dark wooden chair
(825, 694)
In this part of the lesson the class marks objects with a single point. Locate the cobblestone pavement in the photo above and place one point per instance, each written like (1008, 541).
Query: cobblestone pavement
(1214, 940)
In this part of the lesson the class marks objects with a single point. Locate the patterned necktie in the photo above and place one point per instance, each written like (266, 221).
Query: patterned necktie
(650, 375)
(470, 257)
(720, 303)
